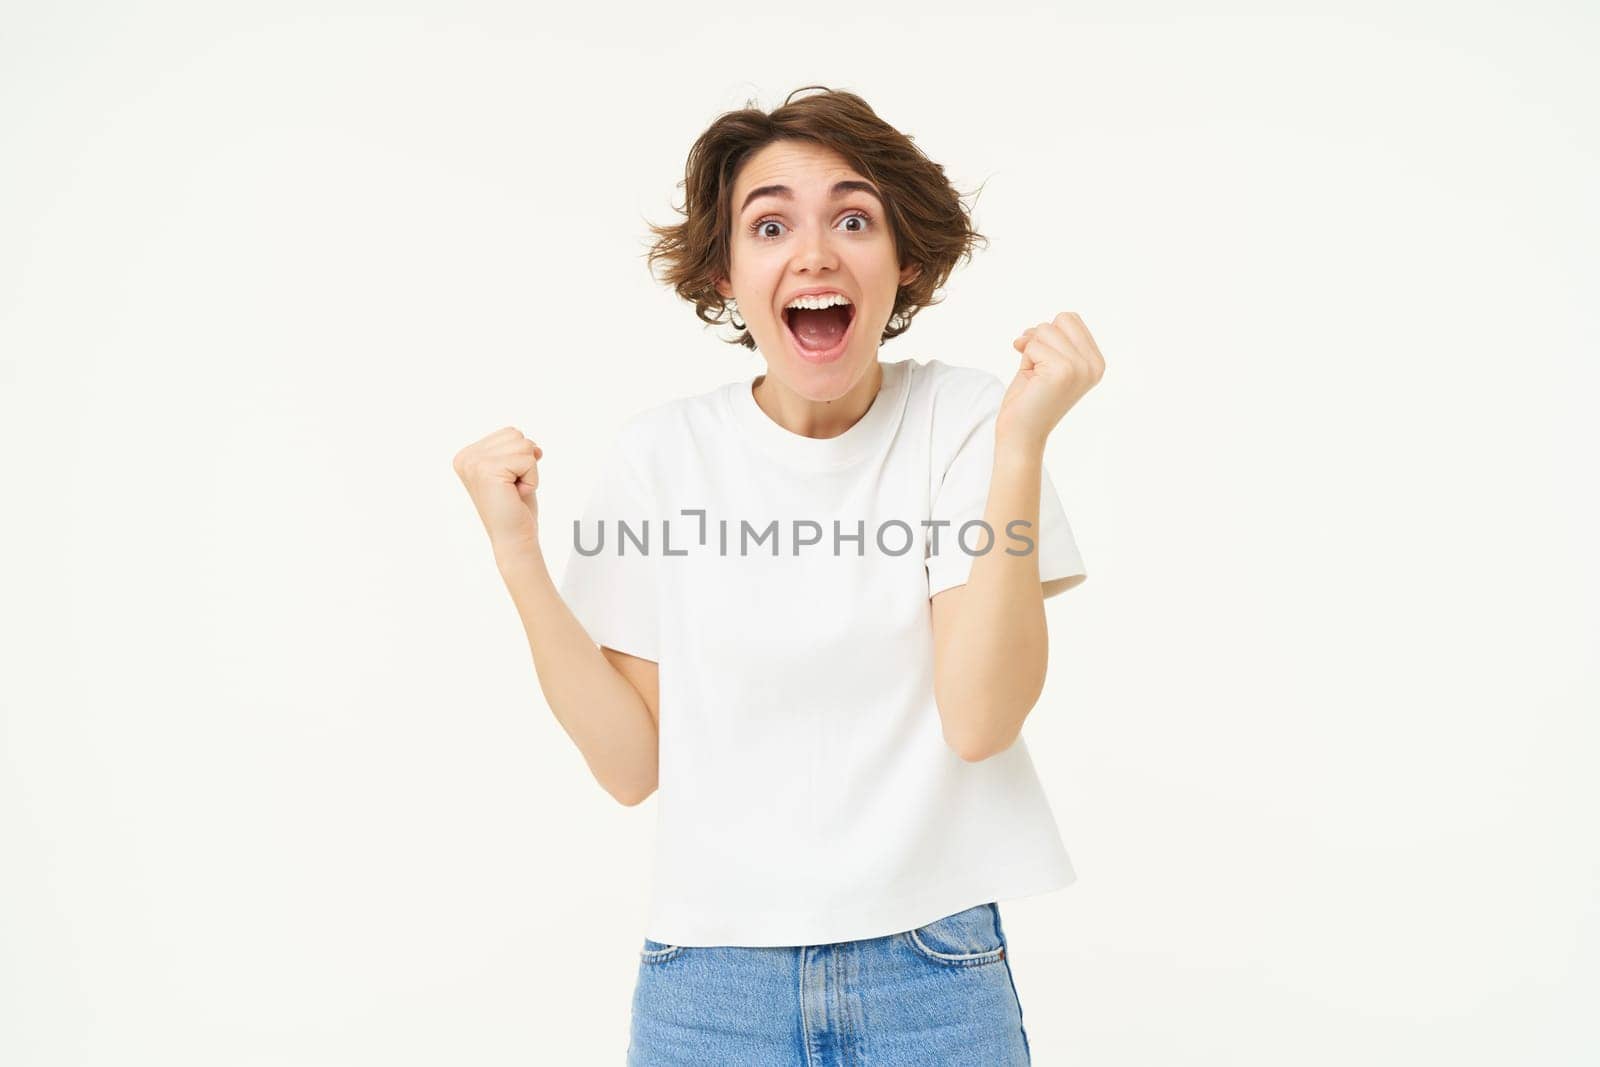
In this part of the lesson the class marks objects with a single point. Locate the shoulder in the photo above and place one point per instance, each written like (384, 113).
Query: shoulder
(639, 430)
(952, 382)
(665, 426)
(955, 396)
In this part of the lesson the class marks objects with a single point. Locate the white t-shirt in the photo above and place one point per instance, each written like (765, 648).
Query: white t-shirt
(806, 794)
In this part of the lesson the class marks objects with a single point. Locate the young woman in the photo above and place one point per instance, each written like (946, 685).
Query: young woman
(819, 622)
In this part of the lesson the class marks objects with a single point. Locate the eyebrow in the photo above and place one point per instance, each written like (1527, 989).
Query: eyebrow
(839, 189)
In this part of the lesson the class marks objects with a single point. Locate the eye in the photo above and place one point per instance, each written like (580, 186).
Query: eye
(866, 220)
(757, 227)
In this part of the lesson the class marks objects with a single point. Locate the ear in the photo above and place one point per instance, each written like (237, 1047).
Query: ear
(910, 274)
(724, 290)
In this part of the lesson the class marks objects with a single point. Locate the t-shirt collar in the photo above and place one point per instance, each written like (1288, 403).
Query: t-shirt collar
(824, 453)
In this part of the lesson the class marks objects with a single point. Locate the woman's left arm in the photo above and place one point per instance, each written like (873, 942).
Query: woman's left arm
(991, 646)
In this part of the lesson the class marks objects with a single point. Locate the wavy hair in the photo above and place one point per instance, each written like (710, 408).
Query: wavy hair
(931, 223)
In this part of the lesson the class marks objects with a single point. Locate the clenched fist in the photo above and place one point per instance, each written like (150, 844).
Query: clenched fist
(501, 473)
(1060, 363)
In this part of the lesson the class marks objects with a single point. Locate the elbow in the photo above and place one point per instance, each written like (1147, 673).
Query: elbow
(961, 735)
(975, 746)
(979, 735)
(977, 728)
(632, 800)
(632, 797)
(966, 752)
(976, 751)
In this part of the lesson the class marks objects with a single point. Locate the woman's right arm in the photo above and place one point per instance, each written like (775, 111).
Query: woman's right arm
(605, 700)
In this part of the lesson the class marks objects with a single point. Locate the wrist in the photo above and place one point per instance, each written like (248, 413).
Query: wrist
(1017, 450)
(517, 554)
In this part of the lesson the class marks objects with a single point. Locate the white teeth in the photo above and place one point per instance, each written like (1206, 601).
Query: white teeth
(817, 303)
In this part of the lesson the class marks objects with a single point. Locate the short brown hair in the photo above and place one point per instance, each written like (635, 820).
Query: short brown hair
(931, 225)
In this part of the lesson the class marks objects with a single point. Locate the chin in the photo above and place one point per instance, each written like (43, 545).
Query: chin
(827, 381)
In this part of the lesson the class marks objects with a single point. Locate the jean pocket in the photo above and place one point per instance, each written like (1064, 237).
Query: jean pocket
(658, 951)
(964, 939)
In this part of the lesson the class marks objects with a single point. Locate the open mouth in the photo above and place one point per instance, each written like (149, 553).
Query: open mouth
(820, 336)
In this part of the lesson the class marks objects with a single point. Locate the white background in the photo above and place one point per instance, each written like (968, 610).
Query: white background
(277, 784)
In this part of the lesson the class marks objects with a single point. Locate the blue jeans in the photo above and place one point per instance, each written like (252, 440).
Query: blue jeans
(940, 994)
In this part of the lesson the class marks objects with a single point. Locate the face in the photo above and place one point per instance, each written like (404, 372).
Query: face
(818, 235)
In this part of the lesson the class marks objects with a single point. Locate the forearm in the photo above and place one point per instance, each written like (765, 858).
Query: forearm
(992, 669)
(598, 708)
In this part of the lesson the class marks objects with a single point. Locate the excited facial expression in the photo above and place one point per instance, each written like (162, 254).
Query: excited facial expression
(804, 221)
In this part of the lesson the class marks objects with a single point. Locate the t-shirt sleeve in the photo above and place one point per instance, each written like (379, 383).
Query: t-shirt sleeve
(613, 591)
(963, 494)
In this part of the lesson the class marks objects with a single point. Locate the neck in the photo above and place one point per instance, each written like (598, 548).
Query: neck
(818, 418)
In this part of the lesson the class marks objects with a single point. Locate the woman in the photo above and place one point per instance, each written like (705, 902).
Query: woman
(819, 620)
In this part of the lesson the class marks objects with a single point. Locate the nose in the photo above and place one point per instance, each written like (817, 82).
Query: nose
(814, 251)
